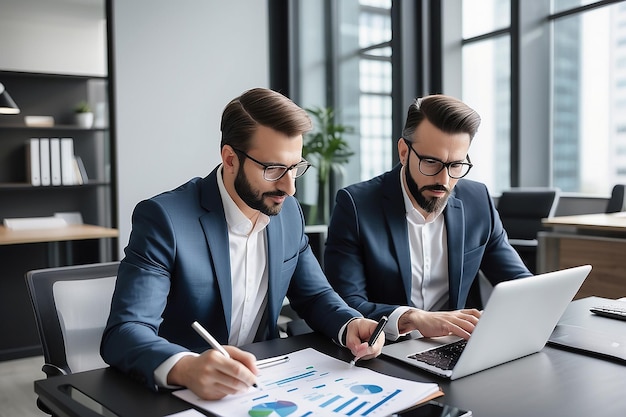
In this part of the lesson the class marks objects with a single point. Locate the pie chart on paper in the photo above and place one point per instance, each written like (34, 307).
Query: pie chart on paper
(365, 389)
(273, 409)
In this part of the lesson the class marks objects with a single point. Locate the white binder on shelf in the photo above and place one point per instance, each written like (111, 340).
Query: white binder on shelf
(32, 162)
(44, 160)
(55, 161)
(67, 162)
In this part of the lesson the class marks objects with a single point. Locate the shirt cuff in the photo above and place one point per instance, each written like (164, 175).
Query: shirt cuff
(342, 332)
(391, 329)
(161, 372)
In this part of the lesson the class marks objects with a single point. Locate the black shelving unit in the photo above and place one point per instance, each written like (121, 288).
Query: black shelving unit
(56, 95)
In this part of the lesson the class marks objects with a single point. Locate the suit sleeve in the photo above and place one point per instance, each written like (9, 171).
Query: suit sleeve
(130, 341)
(311, 295)
(345, 263)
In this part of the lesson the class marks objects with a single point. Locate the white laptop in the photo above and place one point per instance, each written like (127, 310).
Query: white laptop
(517, 321)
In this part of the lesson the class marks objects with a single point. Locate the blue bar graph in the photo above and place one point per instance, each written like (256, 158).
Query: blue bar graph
(293, 378)
(344, 405)
(332, 400)
(357, 408)
(381, 402)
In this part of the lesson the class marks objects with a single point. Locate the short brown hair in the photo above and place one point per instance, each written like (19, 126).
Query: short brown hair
(261, 106)
(446, 113)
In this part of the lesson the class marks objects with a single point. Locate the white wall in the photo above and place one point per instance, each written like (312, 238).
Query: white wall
(176, 66)
(60, 36)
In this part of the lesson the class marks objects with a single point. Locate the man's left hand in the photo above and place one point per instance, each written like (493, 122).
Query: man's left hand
(358, 334)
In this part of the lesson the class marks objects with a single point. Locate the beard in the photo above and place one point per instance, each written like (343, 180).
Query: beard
(255, 199)
(429, 205)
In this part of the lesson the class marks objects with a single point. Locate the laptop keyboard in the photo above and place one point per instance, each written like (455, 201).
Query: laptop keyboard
(443, 357)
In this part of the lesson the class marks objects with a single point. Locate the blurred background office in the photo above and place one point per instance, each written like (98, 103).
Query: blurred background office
(547, 76)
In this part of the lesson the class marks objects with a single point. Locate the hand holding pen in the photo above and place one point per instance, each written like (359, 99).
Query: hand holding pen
(265, 363)
(374, 337)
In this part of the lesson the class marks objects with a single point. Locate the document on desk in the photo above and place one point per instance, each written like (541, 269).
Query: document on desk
(314, 384)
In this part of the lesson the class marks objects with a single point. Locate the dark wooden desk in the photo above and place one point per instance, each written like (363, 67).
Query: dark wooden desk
(553, 382)
(595, 239)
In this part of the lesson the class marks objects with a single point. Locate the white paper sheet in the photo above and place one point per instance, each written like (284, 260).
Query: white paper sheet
(314, 384)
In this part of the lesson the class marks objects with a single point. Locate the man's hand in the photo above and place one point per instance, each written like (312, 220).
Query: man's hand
(212, 376)
(358, 334)
(439, 323)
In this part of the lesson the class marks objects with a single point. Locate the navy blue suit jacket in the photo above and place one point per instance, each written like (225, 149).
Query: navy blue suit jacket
(367, 256)
(177, 270)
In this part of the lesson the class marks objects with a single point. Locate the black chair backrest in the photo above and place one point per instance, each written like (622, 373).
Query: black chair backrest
(616, 202)
(522, 210)
(40, 284)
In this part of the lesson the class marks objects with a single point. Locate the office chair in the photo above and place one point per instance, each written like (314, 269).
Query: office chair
(617, 202)
(71, 306)
(521, 211)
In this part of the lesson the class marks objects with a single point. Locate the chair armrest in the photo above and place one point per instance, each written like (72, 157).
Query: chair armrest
(52, 370)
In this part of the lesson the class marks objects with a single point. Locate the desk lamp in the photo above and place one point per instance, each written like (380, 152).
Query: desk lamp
(7, 105)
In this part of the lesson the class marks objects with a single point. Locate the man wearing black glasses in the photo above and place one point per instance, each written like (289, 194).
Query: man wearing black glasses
(225, 250)
(409, 243)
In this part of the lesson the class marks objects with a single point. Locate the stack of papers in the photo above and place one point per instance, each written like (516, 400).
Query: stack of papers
(314, 384)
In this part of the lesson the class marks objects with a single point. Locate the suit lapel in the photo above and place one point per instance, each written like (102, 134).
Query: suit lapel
(455, 232)
(395, 216)
(216, 234)
(274, 263)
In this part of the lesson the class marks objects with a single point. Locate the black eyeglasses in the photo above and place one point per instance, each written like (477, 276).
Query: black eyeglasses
(431, 166)
(276, 172)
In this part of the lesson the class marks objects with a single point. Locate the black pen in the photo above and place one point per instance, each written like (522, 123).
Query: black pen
(377, 331)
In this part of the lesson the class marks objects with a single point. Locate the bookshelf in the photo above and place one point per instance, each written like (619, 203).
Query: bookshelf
(56, 95)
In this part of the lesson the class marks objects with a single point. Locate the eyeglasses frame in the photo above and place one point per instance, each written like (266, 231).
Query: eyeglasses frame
(445, 165)
(266, 166)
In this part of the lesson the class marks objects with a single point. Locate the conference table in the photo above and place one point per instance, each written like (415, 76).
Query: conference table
(553, 382)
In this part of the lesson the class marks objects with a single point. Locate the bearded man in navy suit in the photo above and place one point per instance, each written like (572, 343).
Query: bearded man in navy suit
(225, 250)
(409, 243)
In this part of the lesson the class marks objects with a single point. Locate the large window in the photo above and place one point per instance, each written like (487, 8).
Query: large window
(343, 60)
(550, 84)
(588, 96)
(486, 79)
(548, 78)
(374, 86)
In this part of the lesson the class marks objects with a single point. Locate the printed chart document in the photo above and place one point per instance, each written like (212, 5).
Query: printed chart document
(314, 384)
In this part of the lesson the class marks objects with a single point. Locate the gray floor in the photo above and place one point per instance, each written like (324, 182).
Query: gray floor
(17, 398)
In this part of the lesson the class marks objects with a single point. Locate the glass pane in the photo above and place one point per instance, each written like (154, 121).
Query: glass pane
(484, 16)
(364, 85)
(589, 101)
(487, 89)
(374, 27)
(375, 76)
(375, 129)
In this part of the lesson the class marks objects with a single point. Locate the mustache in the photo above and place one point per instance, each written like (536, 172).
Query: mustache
(277, 193)
(434, 187)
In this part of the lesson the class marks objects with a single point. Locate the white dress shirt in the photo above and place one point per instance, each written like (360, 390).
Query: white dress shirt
(428, 248)
(248, 266)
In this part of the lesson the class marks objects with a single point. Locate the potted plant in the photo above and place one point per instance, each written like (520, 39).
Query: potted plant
(83, 115)
(326, 149)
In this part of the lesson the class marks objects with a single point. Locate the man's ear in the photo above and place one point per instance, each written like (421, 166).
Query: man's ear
(403, 149)
(229, 158)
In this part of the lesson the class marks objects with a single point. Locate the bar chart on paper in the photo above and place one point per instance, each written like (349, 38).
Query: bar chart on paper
(314, 384)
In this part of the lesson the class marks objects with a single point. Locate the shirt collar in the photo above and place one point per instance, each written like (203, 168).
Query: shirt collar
(237, 221)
